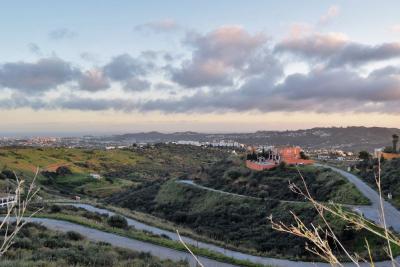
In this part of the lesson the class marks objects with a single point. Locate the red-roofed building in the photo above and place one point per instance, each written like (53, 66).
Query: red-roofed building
(289, 155)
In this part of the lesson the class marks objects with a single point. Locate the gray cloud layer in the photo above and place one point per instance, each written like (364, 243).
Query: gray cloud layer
(217, 56)
(336, 51)
(36, 77)
(229, 69)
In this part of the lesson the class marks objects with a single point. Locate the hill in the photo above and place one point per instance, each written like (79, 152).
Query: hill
(390, 178)
(231, 175)
(236, 221)
(118, 168)
(348, 138)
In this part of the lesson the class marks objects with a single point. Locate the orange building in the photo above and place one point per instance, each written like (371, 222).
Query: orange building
(289, 155)
(379, 154)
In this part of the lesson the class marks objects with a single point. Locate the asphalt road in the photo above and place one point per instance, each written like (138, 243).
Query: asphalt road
(392, 215)
(124, 242)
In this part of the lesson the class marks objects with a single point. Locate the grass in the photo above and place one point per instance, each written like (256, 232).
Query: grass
(240, 222)
(146, 237)
(38, 246)
(232, 176)
(121, 168)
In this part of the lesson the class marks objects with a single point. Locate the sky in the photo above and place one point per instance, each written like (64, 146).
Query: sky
(209, 66)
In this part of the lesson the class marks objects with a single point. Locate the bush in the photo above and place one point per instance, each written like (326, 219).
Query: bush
(9, 174)
(63, 170)
(117, 221)
(55, 208)
(74, 236)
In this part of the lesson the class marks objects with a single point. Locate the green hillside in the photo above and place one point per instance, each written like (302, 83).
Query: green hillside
(38, 246)
(231, 175)
(119, 168)
(236, 221)
(390, 178)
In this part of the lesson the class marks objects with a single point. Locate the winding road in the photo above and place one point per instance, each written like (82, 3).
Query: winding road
(124, 242)
(372, 212)
(392, 215)
(167, 253)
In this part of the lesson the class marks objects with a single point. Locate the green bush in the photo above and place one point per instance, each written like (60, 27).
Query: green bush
(117, 221)
(74, 236)
(55, 208)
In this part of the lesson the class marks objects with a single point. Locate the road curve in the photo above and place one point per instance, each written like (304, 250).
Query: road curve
(227, 252)
(124, 242)
(372, 212)
(192, 183)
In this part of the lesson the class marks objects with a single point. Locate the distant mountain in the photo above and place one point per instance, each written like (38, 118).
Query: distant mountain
(348, 138)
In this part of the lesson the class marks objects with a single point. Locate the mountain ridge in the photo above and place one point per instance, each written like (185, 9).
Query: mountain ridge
(352, 138)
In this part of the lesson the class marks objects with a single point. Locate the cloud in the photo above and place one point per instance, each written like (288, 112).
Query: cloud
(62, 33)
(90, 57)
(336, 50)
(333, 12)
(34, 49)
(135, 84)
(158, 26)
(323, 91)
(36, 77)
(227, 69)
(217, 55)
(93, 80)
(124, 66)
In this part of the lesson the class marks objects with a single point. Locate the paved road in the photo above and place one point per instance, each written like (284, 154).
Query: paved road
(234, 254)
(372, 212)
(192, 183)
(124, 242)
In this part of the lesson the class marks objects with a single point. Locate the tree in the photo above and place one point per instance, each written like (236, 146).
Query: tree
(117, 221)
(364, 155)
(395, 140)
(63, 170)
(303, 155)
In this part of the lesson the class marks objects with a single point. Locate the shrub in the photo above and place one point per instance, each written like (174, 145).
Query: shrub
(117, 221)
(63, 170)
(74, 236)
(55, 208)
(24, 243)
(9, 174)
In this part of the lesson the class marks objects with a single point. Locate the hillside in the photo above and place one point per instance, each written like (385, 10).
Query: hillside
(348, 138)
(390, 179)
(236, 221)
(119, 168)
(38, 246)
(324, 184)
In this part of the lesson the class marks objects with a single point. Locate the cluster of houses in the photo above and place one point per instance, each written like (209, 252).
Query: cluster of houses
(215, 143)
(388, 152)
(273, 156)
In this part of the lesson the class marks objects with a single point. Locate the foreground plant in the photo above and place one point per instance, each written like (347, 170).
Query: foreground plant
(13, 218)
(319, 236)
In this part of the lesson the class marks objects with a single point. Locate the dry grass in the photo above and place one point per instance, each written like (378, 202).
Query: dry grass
(317, 236)
(13, 219)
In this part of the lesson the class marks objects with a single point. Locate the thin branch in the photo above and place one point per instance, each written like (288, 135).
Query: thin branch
(188, 249)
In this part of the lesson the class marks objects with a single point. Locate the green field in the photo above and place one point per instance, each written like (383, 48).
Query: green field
(119, 168)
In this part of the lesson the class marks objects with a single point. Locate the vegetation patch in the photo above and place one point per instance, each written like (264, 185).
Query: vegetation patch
(324, 184)
(240, 222)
